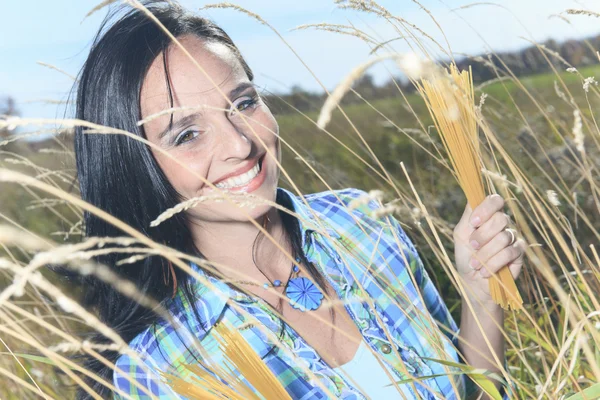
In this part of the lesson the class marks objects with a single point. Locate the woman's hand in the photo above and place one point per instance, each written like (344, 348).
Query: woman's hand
(482, 246)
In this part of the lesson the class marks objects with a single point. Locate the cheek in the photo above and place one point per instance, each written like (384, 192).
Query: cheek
(269, 132)
(268, 128)
(185, 174)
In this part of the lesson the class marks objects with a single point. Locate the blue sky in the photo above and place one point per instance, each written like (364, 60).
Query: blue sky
(55, 32)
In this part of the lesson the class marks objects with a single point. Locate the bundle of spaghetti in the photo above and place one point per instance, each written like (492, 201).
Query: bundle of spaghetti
(241, 364)
(450, 100)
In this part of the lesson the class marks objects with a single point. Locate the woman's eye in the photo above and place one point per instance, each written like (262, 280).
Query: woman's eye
(186, 136)
(243, 104)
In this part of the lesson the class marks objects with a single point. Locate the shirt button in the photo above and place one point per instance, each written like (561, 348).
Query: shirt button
(386, 348)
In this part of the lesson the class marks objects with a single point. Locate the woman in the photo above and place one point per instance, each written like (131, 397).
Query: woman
(220, 137)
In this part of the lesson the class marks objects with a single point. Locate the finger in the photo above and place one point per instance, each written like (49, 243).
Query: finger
(489, 230)
(516, 267)
(490, 249)
(463, 228)
(499, 261)
(466, 216)
(486, 209)
(505, 257)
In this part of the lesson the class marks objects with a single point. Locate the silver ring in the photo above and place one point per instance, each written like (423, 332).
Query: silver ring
(513, 236)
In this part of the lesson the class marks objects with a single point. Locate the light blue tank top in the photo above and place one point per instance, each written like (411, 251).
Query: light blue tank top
(369, 376)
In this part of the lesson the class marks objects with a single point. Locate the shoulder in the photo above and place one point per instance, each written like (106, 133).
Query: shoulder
(345, 205)
(366, 226)
(352, 207)
(339, 198)
(349, 201)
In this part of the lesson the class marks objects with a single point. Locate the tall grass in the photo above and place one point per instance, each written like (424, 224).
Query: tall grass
(541, 150)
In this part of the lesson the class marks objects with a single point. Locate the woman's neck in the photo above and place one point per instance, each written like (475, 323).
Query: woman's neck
(231, 244)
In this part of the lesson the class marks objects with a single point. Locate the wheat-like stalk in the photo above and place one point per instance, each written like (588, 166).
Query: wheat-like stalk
(450, 101)
(239, 356)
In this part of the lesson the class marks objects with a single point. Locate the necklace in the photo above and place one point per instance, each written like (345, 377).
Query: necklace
(303, 294)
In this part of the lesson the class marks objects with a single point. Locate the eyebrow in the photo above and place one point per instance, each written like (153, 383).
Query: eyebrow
(178, 124)
(238, 90)
(181, 122)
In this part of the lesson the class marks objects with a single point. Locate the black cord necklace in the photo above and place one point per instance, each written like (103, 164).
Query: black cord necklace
(303, 294)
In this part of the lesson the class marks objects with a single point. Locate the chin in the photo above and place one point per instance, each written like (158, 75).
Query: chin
(258, 211)
(225, 211)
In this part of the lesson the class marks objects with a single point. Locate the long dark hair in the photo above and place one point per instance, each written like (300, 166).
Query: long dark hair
(120, 175)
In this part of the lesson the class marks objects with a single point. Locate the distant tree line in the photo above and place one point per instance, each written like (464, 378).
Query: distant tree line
(528, 61)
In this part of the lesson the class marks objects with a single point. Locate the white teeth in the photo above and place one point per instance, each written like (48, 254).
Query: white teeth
(240, 180)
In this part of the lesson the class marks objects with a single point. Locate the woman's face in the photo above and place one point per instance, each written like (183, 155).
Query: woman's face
(209, 138)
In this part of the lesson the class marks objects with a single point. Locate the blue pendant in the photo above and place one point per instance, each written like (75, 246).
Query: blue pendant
(303, 294)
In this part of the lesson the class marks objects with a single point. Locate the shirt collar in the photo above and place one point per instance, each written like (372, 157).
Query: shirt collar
(212, 293)
(310, 218)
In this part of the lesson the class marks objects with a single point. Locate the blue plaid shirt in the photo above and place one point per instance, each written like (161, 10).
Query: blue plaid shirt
(371, 264)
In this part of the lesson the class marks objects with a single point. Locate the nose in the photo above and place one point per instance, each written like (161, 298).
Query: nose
(235, 143)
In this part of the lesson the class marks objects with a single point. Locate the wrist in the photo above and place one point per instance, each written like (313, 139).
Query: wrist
(480, 303)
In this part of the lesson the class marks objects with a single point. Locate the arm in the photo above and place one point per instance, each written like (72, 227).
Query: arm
(472, 343)
(476, 353)
(482, 246)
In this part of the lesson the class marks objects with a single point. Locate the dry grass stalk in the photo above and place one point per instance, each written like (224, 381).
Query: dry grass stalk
(334, 99)
(579, 138)
(226, 5)
(338, 28)
(99, 7)
(450, 101)
(240, 199)
(589, 81)
(410, 64)
(583, 12)
(43, 64)
(560, 17)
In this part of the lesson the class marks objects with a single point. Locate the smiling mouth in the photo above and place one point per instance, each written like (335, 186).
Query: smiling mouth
(244, 179)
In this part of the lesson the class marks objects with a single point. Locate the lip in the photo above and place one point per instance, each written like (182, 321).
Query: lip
(251, 186)
(239, 171)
